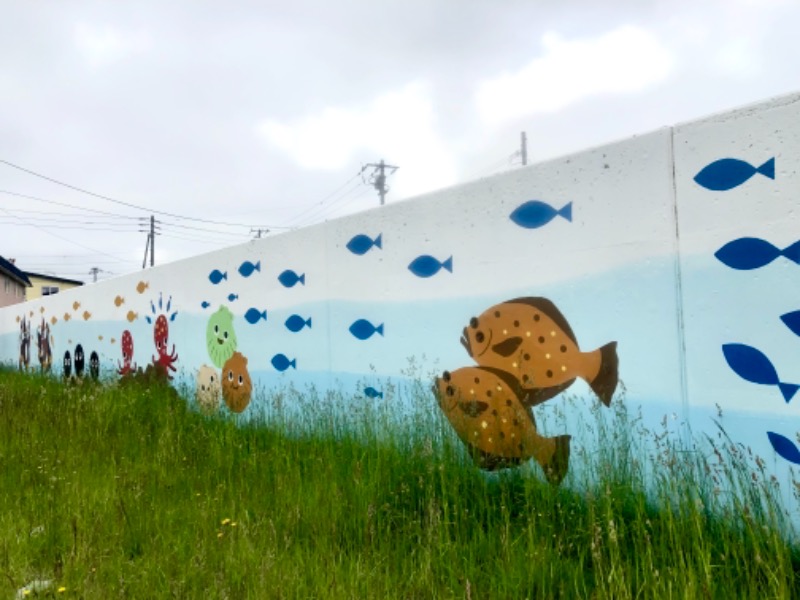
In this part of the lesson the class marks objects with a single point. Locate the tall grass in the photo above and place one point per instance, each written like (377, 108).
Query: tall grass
(130, 492)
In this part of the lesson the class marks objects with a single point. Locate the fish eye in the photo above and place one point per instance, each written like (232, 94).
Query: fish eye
(450, 390)
(479, 337)
(446, 375)
(230, 375)
(473, 322)
(241, 380)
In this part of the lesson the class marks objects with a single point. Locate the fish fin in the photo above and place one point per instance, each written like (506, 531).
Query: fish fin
(507, 378)
(792, 252)
(548, 308)
(605, 384)
(788, 390)
(493, 462)
(508, 347)
(448, 264)
(558, 466)
(566, 211)
(768, 168)
(792, 321)
(379, 241)
(536, 396)
(473, 408)
(379, 329)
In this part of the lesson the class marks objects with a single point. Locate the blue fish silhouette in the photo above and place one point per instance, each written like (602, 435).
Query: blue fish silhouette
(289, 278)
(216, 276)
(748, 253)
(727, 173)
(246, 268)
(427, 266)
(295, 323)
(361, 243)
(232, 297)
(535, 213)
(253, 315)
(281, 362)
(751, 364)
(371, 392)
(792, 321)
(785, 447)
(205, 304)
(363, 329)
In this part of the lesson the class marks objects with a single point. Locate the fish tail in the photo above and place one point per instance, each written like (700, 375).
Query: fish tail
(308, 322)
(379, 329)
(379, 241)
(302, 279)
(257, 266)
(293, 363)
(792, 252)
(379, 395)
(558, 466)
(225, 275)
(768, 168)
(264, 315)
(566, 212)
(448, 264)
(605, 383)
(788, 390)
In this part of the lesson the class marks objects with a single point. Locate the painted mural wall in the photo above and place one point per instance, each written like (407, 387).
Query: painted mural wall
(664, 264)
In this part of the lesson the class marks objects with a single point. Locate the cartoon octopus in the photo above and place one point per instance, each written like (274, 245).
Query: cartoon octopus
(127, 367)
(161, 338)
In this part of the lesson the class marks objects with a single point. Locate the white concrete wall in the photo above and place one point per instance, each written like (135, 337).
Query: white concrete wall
(635, 265)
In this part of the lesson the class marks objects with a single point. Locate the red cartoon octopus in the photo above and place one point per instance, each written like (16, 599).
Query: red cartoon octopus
(127, 367)
(161, 337)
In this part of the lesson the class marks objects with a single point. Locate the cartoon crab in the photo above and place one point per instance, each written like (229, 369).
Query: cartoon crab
(127, 367)
(161, 338)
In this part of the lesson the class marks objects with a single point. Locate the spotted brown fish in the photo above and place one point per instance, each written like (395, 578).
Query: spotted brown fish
(485, 408)
(530, 339)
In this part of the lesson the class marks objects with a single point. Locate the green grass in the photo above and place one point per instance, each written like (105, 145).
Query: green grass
(127, 492)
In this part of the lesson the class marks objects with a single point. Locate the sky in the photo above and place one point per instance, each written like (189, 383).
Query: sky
(226, 121)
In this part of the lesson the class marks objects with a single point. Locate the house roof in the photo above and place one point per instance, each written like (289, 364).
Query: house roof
(9, 269)
(53, 278)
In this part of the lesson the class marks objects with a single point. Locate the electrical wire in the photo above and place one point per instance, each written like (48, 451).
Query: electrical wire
(122, 202)
(321, 202)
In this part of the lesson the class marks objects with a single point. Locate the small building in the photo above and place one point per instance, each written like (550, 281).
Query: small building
(47, 285)
(13, 283)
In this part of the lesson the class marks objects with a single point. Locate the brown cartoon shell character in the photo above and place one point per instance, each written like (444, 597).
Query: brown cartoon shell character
(236, 385)
(486, 410)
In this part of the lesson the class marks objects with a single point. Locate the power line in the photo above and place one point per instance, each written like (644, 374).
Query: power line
(316, 205)
(120, 202)
(320, 211)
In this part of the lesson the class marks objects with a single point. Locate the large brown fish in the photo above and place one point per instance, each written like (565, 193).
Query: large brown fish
(484, 407)
(530, 339)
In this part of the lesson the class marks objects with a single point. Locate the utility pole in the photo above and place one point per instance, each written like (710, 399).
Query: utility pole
(152, 240)
(93, 272)
(258, 232)
(523, 151)
(150, 244)
(378, 177)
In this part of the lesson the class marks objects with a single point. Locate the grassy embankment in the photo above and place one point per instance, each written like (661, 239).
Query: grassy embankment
(127, 492)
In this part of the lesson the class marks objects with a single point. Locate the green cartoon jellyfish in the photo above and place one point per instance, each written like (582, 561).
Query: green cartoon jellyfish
(220, 337)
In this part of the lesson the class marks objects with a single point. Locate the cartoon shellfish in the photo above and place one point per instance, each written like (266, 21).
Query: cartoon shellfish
(485, 408)
(530, 339)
